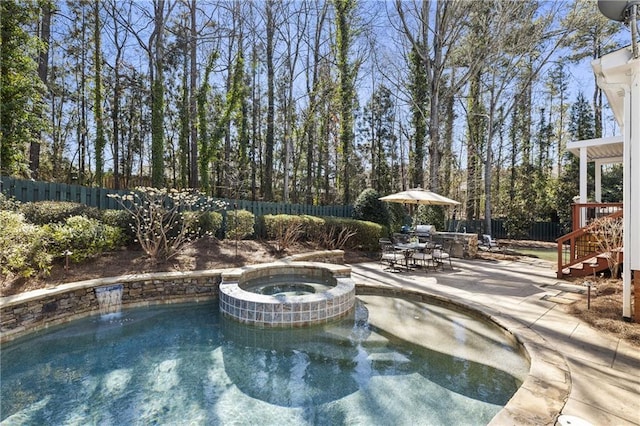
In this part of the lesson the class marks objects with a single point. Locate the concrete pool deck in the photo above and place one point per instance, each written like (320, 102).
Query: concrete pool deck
(604, 371)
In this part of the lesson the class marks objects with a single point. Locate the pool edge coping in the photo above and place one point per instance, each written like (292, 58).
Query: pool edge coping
(548, 370)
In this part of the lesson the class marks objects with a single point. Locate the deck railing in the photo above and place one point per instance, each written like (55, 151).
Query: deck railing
(583, 214)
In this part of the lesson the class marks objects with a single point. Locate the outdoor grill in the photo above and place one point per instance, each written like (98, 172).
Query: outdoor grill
(424, 232)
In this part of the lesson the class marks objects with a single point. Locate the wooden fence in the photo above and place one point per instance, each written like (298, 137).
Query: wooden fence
(28, 191)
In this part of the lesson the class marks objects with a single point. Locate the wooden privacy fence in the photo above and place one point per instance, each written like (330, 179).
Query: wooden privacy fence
(28, 191)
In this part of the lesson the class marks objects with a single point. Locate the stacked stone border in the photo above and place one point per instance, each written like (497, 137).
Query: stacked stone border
(38, 309)
(538, 401)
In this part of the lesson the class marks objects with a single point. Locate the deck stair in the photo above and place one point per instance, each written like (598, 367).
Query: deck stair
(579, 254)
(590, 266)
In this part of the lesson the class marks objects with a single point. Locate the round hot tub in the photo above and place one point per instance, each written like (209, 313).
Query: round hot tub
(287, 294)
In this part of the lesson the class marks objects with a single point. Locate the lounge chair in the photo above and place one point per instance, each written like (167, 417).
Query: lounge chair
(488, 243)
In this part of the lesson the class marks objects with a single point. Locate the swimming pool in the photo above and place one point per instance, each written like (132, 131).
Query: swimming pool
(185, 363)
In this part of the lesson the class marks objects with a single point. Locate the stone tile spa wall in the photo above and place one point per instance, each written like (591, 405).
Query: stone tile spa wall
(290, 310)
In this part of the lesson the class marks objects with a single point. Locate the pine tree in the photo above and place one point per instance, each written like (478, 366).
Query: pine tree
(378, 138)
(581, 127)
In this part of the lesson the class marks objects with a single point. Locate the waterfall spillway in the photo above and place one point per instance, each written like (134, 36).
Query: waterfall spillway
(109, 299)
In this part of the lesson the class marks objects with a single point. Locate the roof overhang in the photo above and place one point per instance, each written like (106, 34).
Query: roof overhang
(612, 71)
(609, 149)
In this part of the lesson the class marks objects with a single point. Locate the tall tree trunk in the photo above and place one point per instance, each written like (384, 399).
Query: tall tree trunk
(225, 185)
(186, 126)
(82, 124)
(157, 97)
(255, 159)
(449, 101)
(419, 97)
(43, 74)
(313, 153)
(346, 75)
(267, 183)
(115, 116)
(193, 98)
(488, 169)
(475, 120)
(97, 108)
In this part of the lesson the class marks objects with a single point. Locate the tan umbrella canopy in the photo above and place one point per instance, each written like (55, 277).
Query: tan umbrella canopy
(419, 196)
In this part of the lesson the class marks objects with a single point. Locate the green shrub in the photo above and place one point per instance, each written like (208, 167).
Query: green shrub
(22, 246)
(286, 229)
(518, 221)
(204, 223)
(329, 232)
(211, 222)
(43, 212)
(240, 224)
(399, 216)
(431, 215)
(368, 207)
(122, 220)
(161, 228)
(83, 237)
(276, 224)
(9, 203)
(366, 235)
(312, 227)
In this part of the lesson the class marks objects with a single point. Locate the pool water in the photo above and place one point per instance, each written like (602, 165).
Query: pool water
(289, 285)
(185, 364)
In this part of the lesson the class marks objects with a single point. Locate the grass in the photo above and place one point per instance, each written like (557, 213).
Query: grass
(550, 254)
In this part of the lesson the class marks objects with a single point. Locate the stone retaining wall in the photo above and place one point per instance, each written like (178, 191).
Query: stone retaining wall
(39, 309)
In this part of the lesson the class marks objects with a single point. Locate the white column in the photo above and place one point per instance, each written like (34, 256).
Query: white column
(583, 185)
(631, 198)
(583, 174)
(618, 75)
(598, 194)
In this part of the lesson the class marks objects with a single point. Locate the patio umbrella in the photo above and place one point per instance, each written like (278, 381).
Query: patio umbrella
(419, 196)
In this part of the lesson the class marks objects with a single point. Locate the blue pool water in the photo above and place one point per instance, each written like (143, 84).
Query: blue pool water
(185, 364)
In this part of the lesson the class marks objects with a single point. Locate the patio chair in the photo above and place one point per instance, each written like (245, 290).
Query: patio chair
(442, 254)
(390, 256)
(424, 257)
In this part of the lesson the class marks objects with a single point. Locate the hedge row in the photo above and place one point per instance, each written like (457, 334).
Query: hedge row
(27, 248)
(326, 230)
(36, 234)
